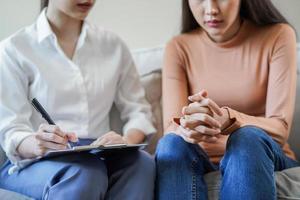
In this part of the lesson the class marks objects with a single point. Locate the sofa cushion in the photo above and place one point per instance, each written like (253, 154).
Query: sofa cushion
(2, 156)
(287, 184)
(294, 139)
(148, 60)
(152, 84)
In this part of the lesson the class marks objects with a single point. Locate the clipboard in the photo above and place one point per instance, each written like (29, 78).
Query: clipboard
(88, 148)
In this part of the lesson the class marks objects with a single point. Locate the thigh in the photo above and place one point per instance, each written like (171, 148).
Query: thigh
(34, 179)
(180, 169)
(259, 146)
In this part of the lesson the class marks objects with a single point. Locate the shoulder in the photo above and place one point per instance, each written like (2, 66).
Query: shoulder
(17, 40)
(282, 29)
(182, 45)
(185, 40)
(279, 30)
(274, 32)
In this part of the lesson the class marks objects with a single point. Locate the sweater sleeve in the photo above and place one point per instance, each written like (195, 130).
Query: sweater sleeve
(174, 86)
(281, 91)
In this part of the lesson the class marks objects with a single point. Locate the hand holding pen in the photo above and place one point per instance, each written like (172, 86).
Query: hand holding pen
(50, 136)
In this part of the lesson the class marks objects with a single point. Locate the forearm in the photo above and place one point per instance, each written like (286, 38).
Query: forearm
(277, 128)
(134, 136)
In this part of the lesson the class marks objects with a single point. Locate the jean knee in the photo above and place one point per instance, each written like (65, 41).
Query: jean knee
(248, 136)
(172, 147)
(249, 143)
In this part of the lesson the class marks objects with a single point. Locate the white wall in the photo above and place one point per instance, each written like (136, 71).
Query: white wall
(141, 23)
(290, 9)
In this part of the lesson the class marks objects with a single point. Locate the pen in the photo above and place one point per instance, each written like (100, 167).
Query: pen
(36, 104)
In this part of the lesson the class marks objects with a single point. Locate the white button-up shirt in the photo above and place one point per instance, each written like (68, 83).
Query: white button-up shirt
(78, 94)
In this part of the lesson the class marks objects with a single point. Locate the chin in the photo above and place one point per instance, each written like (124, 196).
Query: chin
(80, 16)
(215, 33)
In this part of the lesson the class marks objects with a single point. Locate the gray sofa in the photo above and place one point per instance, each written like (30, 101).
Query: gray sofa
(148, 62)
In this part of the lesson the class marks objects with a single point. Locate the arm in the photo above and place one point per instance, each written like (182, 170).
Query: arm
(131, 102)
(15, 109)
(134, 136)
(17, 136)
(174, 86)
(281, 91)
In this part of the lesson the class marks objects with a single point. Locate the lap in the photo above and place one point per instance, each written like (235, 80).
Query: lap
(39, 174)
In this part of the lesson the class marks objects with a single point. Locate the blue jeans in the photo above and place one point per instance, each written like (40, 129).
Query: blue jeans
(247, 168)
(122, 176)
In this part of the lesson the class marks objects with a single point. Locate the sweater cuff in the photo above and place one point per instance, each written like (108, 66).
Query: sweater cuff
(234, 123)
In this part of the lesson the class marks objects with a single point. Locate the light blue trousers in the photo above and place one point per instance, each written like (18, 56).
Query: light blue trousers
(85, 176)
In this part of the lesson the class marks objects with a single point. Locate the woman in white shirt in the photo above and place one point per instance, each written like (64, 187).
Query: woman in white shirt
(76, 71)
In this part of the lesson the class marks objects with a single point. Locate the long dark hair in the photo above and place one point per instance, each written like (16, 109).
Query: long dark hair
(260, 12)
(44, 4)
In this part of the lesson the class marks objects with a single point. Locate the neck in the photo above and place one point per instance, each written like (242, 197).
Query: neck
(64, 26)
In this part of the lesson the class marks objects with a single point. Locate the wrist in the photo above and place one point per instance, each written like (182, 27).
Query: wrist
(225, 119)
(134, 136)
(26, 148)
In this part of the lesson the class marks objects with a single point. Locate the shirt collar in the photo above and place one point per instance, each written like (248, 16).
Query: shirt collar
(43, 27)
(44, 30)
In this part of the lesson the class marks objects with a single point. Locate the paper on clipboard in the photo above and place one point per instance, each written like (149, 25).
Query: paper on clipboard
(85, 148)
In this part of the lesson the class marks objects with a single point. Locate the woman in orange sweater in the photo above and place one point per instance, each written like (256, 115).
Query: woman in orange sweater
(229, 83)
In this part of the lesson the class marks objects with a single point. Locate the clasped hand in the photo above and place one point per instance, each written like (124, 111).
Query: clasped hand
(202, 120)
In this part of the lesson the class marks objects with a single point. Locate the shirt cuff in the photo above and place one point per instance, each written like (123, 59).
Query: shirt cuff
(234, 123)
(140, 123)
(12, 143)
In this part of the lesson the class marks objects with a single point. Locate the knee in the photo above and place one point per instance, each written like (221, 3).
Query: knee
(146, 162)
(172, 148)
(248, 137)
